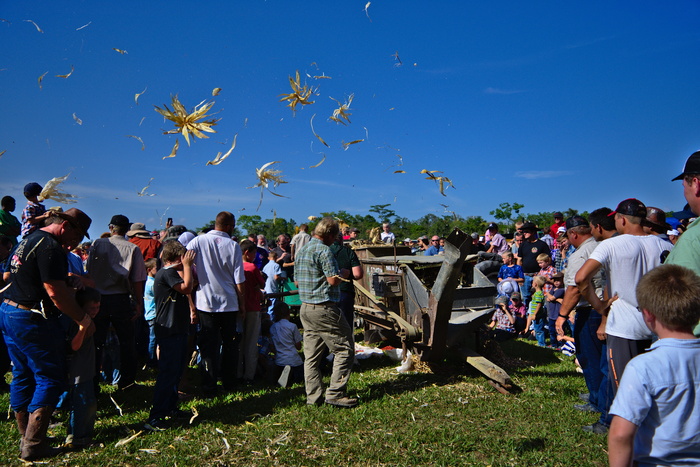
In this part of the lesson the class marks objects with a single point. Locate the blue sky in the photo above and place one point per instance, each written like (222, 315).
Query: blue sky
(554, 105)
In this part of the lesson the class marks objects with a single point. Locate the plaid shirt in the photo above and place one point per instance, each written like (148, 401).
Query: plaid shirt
(312, 265)
(31, 211)
(547, 272)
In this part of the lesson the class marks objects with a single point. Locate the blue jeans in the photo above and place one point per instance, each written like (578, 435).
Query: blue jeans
(525, 292)
(171, 364)
(83, 411)
(36, 348)
(591, 355)
(538, 324)
(151, 340)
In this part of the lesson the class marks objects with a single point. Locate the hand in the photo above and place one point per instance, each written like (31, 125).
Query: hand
(560, 325)
(194, 317)
(188, 258)
(601, 332)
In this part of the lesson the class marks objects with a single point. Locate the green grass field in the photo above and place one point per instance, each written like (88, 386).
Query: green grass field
(450, 416)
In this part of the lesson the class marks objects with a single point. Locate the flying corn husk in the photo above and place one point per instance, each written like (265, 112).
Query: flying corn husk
(173, 153)
(216, 91)
(3, 152)
(347, 145)
(143, 145)
(124, 441)
(77, 120)
(187, 123)
(41, 78)
(219, 158)
(299, 95)
(35, 25)
(399, 171)
(195, 414)
(84, 26)
(367, 12)
(6, 21)
(312, 218)
(316, 134)
(143, 190)
(51, 191)
(398, 60)
(142, 119)
(342, 112)
(120, 51)
(267, 176)
(72, 69)
(443, 182)
(137, 95)
(322, 76)
(322, 161)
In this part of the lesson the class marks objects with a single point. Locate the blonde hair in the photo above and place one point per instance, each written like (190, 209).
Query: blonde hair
(544, 257)
(327, 227)
(539, 281)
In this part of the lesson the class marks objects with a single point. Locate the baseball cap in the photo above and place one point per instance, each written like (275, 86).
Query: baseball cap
(120, 220)
(631, 207)
(576, 221)
(492, 226)
(32, 189)
(692, 166)
(558, 215)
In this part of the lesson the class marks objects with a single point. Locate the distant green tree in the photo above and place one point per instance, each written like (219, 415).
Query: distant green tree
(383, 214)
(507, 212)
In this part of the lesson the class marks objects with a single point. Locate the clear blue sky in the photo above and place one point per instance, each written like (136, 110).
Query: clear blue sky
(554, 105)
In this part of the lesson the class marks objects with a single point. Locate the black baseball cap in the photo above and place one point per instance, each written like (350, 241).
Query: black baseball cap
(32, 189)
(692, 166)
(558, 215)
(120, 220)
(576, 221)
(631, 207)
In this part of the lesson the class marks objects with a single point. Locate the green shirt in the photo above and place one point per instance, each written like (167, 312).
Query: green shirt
(686, 252)
(347, 259)
(7, 222)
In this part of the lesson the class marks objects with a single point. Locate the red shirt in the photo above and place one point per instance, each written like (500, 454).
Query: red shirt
(553, 229)
(253, 283)
(149, 246)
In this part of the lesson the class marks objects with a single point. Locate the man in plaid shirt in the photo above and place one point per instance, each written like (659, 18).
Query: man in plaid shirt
(317, 277)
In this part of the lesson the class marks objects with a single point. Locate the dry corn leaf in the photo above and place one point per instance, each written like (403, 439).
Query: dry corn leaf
(399, 171)
(124, 441)
(51, 191)
(84, 26)
(121, 412)
(219, 158)
(173, 153)
(342, 112)
(299, 95)
(3, 152)
(142, 119)
(322, 161)
(267, 176)
(316, 134)
(143, 145)
(312, 218)
(139, 94)
(35, 25)
(195, 414)
(143, 190)
(41, 78)
(150, 451)
(367, 12)
(6, 21)
(322, 76)
(120, 51)
(72, 69)
(398, 60)
(281, 439)
(442, 181)
(77, 120)
(192, 122)
(347, 145)
(216, 91)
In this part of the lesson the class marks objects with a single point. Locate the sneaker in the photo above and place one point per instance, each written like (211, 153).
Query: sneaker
(597, 428)
(584, 397)
(284, 377)
(156, 424)
(587, 407)
(345, 402)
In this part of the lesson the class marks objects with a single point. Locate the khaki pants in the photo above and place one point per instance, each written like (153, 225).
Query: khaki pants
(324, 325)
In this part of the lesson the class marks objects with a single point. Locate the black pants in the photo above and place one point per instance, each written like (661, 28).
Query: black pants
(117, 311)
(218, 346)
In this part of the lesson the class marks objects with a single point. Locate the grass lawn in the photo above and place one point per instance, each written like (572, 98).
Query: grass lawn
(450, 416)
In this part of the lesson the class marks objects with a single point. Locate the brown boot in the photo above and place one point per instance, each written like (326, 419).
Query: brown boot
(35, 445)
(22, 418)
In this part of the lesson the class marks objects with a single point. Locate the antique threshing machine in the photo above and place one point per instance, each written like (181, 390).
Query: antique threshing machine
(433, 304)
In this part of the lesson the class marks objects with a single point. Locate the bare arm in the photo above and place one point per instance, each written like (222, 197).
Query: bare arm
(240, 290)
(62, 297)
(187, 285)
(357, 273)
(584, 281)
(571, 298)
(621, 442)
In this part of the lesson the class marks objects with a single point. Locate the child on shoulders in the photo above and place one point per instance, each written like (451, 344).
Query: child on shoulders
(656, 412)
(35, 213)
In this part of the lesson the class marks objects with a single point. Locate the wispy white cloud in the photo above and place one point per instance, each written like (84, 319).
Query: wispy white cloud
(491, 90)
(534, 174)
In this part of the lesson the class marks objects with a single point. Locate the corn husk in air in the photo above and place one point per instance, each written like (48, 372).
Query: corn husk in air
(189, 122)
(51, 191)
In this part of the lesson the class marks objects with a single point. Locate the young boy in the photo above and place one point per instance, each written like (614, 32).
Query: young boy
(536, 315)
(171, 286)
(149, 309)
(510, 269)
(656, 412)
(503, 322)
(254, 282)
(273, 276)
(555, 297)
(35, 213)
(80, 397)
(287, 341)
(517, 309)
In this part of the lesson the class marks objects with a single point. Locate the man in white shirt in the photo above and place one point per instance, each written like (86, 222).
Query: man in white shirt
(219, 265)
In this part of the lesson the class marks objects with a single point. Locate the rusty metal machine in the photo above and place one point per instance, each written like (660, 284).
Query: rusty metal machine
(431, 303)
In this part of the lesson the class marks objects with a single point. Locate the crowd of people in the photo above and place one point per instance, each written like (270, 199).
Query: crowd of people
(619, 288)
